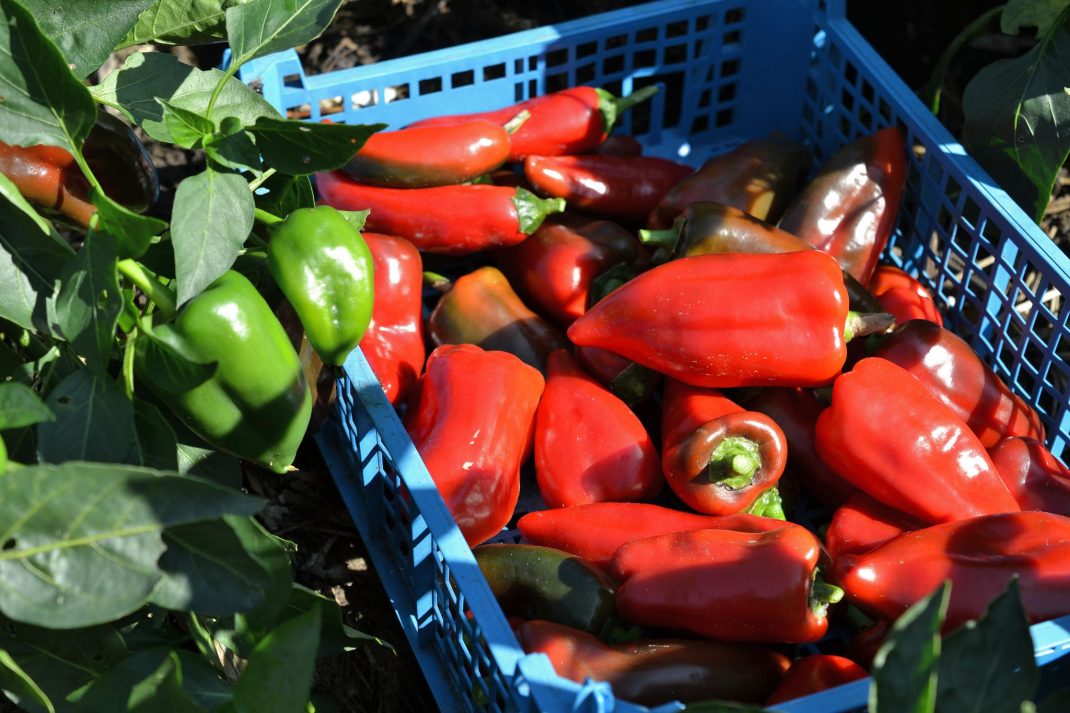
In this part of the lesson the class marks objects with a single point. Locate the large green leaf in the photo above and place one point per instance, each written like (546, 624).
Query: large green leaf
(94, 421)
(79, 541)
(251, 627)
(156, 679)
(212, 217)
(157, 445)
(284, 194)
(1040, 14)
(86, 31)
(20, 406)
(187, 128)
(1017, 118)
(89, 300)
(132, 231)
(146, 77)
(44, 103)
(335, 636)
(261, 27)
(184, 22)
(295, 147)
(279, 673)
(22, 689)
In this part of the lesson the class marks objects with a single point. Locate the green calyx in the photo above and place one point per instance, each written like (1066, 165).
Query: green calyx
(861, 324)
(532, 210)
(822, 594)
(768, 504)
(734, 463)
(611, 107)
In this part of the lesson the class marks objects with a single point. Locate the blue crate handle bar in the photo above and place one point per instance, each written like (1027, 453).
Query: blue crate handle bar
(729, 70)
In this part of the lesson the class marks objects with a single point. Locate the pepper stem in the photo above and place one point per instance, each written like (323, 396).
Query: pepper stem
(822, 593)
(438, 282)
(633, 384)
(532, 210)
(608, 281)
(158, 293)
(611, 107)
(768, 504)
(860, 324)
(734, 462)
(266, 218)
(516, 122)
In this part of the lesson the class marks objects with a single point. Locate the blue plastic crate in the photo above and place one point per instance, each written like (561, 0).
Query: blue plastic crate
(730, 70)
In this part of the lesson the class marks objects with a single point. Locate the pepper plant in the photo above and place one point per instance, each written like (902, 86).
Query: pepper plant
(141, 361)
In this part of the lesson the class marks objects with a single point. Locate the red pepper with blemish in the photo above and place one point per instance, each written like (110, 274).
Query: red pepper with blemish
(451, 220)
(815, 673)
(1036, 478)
(862, 524)
(848, 210)
(472, 447)
(589, 446)
(717, 457)
(727, 585)
(903, 296)
(625, 188)
(890, 437)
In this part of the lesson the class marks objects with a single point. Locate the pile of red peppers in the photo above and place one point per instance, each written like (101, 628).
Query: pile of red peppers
(675, 359)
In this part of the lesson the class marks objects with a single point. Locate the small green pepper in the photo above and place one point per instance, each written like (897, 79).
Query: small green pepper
(322, 264)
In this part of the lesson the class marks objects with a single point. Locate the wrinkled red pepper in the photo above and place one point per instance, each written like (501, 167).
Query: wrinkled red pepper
(451, 220)
(727, 585)
(589, 446)
(862, 524)
(1036, 478)
(952, 371)
(848, 210)
(718, 457)
(889, 436)
(472, 447)
(654, 671)
(979, 555)
(815, 673)
(903, 296)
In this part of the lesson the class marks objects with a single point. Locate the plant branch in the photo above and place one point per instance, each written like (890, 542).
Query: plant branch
(158, 293)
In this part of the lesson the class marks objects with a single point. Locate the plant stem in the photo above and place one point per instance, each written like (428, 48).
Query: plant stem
(227, 74)
(259, 180)
(158, 293)
(128, 363)
(266, 218)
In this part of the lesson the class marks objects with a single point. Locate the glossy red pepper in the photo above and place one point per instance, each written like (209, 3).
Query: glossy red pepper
(728, 320)
(979, 555)
(815, 673)
(952, 371)
(718, 457)
(903, 296)
(848, 210)
(889, 436)
(589, 446)
(472, 447)
(1036, 478)
(654, 671)
(727, 585)
(430, 156)
(759, 177)
(595, 532)
(453, 220)
(625, 188)
(862, 524)
(394, 340)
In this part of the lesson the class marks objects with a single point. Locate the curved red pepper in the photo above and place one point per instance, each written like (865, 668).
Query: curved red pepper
(903, 296)
(589, 446)
(815, 673)
(979, 555)
(888, 435)
(848, 210)
(622, 187)
(654, 671)
(472, 447)
(718, 458)
(1037, 480)
(394, 340)
(452, 220)
(728, 320)
(727, 585)
(863, 524)
(430, 156)
(952, 371)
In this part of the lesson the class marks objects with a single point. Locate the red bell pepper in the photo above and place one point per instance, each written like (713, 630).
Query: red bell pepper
(848, 210)
(979, 555)
(589, 446)
(472, 447)
(1036, 478)
(452, 220)
(719, 458)
(952, 371)
(815, 673)
(727, 585)
(630, 382)
(903, 296)
(654, 671)
(394, 340)
(888, 435)
(862, 524)
(621, 187)
(595, 532)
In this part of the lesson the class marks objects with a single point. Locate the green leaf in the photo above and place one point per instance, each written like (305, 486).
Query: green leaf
(132, 231)
(157, 446)
(21, 406)
(174, 370)
(79, 542)
(1040, 14)
(283, 194)
(298, 148)
(210, 464)
(356, 218)
(32, 258)
(905, 667)
(22, 689)
(139, 682)
(212, 217)
(335, 636)
(264, 26)
(236, 151)
(279, 672)
(43, 102)
(187, 127)
(89, 300)
(989, 665)
(1016, 117)
(135, 87)
(182, 22)
(208, 570)
(250, 628)
(94, 421)
(86, 31)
